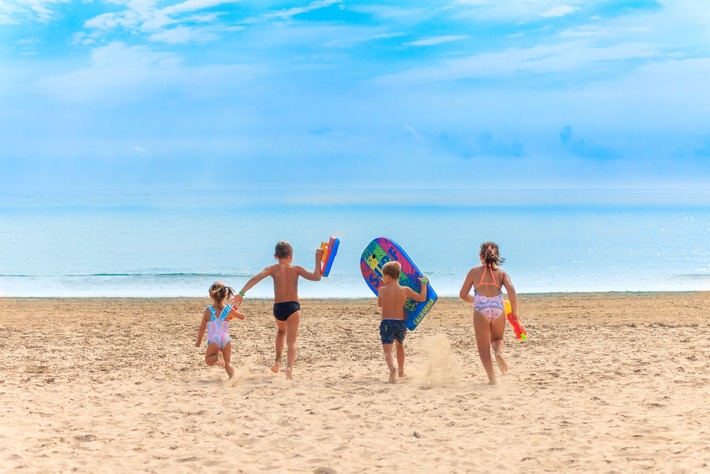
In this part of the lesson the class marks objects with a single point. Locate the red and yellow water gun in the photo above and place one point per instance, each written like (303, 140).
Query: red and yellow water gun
(520, 333)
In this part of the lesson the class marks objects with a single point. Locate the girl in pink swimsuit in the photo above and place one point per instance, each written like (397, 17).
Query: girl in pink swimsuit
(487, 280)
(215, 319)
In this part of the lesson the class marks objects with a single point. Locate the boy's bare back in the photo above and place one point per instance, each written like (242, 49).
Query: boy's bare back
(392, 298)
(285, 278)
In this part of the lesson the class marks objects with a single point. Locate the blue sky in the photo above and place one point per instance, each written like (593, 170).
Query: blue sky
(145, 94)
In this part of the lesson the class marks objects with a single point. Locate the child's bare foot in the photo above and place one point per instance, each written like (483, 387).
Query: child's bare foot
(230, 370)
(493, 382)
(277, 365)
(220, 359)
(401, 374)
(289, 373)
(393, 375)
(502, 365)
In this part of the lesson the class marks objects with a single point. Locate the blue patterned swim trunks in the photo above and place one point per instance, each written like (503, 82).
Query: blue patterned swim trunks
(391, 329)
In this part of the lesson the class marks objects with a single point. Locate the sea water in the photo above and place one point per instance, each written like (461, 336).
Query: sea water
(176, 243)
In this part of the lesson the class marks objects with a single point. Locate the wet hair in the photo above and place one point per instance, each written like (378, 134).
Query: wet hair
(490, 255)
(283, 250)
(392, 269)
(220, 292)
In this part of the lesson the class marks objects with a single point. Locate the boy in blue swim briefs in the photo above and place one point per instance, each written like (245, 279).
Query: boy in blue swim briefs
(391, 298)
(287, 309)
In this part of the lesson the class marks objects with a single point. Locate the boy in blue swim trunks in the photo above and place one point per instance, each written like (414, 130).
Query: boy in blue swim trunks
(391, 299)
(287, 309)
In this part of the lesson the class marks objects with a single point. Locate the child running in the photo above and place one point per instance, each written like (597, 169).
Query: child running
(287, 308)
(391, 298)
(488, 307)
(216, 319)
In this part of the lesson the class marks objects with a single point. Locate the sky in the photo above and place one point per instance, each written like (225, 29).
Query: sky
(329, 94)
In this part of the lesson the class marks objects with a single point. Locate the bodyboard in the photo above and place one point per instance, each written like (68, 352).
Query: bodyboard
(383, 250)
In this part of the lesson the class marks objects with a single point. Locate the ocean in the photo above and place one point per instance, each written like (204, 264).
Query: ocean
(170, 243)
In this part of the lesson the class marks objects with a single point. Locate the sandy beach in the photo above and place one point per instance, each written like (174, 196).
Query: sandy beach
(612, 382)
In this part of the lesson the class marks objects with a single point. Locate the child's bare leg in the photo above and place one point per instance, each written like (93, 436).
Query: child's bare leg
(220, 359)
(211, 354)
(400, 357)
(227, 354)
(291, 335)
(497, 331)
(481, 327)
(279, 345)
(389, 359)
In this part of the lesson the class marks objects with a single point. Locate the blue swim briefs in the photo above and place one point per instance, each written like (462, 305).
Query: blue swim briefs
(283, 310)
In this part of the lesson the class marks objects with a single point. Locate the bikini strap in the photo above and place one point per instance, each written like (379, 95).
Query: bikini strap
(493, 277)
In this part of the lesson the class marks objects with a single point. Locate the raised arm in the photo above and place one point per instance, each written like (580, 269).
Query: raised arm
(316, 274)
(421, 296)
(239, 297)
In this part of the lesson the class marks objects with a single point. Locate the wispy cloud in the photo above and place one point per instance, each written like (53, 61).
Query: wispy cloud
(584, 148)
(179, 23)
(124, 74)
(553, 84)
(562, 10)
(436, 40)
(289, 13)
(482, 144)
(22, 11)
(572, 57)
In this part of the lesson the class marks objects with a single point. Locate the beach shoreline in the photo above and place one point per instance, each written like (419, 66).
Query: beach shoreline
(607, 382)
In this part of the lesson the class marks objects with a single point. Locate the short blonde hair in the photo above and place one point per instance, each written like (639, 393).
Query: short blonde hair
(392, 269)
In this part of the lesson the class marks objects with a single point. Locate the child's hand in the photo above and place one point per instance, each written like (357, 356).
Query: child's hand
(319, 254)
(197, 344)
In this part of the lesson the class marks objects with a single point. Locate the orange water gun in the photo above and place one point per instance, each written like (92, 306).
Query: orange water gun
(520, 333)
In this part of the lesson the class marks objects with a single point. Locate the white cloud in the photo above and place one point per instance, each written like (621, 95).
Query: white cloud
(562, 10)
(410, 131)
(182, 34)
(171, 24)
(122, 74)
(565, 57)
(289, 13)
(21, 11)
(388, 12)
(347, 40)
(195, 5)
(435, 40)
(514, 10)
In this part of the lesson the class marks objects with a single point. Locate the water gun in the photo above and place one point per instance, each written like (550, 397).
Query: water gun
(520, 333)
(330, 250)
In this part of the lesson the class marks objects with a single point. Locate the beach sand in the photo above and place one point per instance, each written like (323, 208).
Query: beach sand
(613, 382)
